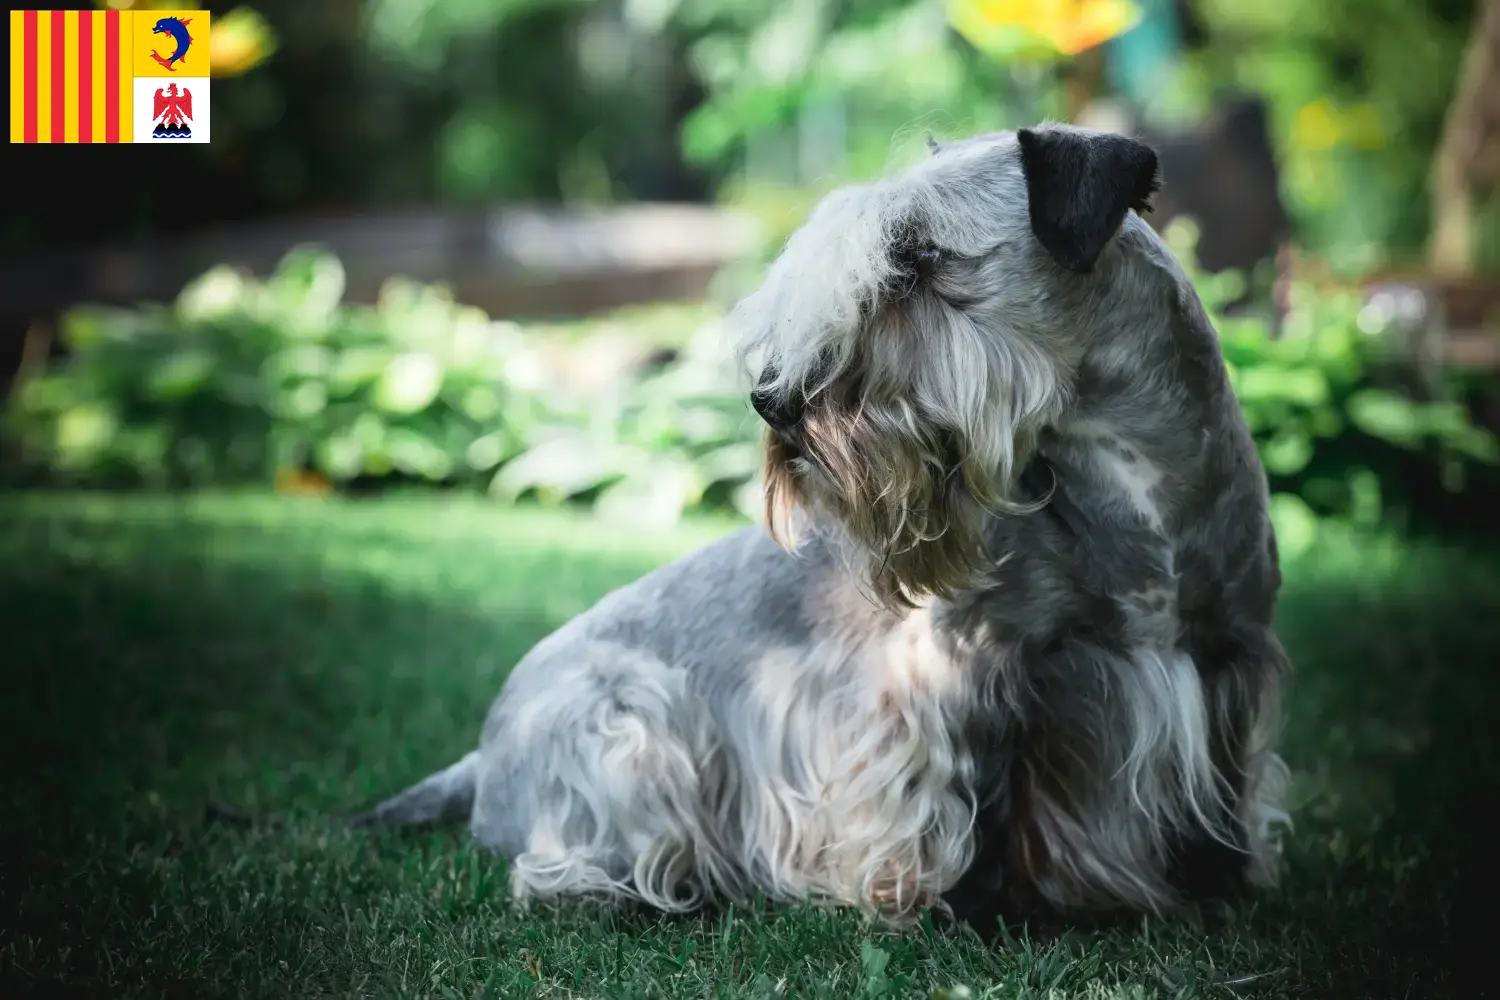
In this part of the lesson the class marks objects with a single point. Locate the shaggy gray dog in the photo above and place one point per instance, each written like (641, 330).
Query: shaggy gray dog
(1016, 640)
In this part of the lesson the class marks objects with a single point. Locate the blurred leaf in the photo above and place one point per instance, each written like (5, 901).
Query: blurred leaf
(1326, 422)
(42, 396)
(1305, 386)
(369, 430)
(84, 328)
(417, 455)
(1443, 419)
(654, 496)
(180, 374)
(1386, 415)
(1287, 453)
(306, 400)
(302, 361)
(481, 403)
(730, 463)
(340, 457)
(145, 449)
(239, 388)
(749, 499)
(1296, 524)
(1476, 443)
(356, 367)
(84, 431)
(484, 453)
(308, 285)
(409, 383)
(1451, 425)
(710, 130)
(567, 464)
(377, 462)
(216, 293)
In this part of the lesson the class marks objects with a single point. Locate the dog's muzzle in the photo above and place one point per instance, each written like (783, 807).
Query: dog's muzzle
(780, 414)
(783, 413)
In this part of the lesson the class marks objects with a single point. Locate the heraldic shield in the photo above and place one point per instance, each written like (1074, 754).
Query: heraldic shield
(171, 110)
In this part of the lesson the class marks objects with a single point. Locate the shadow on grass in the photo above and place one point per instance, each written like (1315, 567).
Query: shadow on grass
(304, 668)
(155, 666)
(1391, 728)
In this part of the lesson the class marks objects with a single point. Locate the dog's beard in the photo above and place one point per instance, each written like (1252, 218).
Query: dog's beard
(914, 474)
(919, 521)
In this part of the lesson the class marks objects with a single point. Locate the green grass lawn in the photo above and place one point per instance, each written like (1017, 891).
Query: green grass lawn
(297, 659)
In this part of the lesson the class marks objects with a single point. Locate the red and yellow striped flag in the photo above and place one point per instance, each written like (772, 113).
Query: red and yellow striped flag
(74, 73)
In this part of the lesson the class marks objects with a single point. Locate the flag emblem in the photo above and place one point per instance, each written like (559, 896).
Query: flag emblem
(175, 28)
(173, 113)
(109, 76)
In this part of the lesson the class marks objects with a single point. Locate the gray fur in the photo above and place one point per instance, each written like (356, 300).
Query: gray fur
(1074, 707)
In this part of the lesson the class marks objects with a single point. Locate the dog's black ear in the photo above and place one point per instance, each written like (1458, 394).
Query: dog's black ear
(1079, 185)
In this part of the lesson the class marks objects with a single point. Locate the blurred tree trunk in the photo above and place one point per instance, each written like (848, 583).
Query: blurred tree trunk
(1466, 167)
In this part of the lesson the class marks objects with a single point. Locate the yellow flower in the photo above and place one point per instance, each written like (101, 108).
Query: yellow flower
(1067, 27)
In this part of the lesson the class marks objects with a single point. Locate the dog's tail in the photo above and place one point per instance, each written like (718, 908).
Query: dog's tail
(442, 797)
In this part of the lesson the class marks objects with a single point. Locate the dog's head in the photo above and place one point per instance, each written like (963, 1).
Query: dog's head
(917, 333)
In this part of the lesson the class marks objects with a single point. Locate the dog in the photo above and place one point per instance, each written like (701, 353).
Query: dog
(1007, 634)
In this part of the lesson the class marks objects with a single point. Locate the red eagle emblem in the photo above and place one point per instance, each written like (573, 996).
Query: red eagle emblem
(172, 110)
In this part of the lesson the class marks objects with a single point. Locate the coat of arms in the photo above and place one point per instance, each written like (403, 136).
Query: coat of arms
(172, 111)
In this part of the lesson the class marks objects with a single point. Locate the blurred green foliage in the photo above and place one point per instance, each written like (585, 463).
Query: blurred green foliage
(242, 378)
(1358, 91)
(250, 382)
(370, 103)
(1329, 401)
(816, 89)
(378, 102)
(245, 382)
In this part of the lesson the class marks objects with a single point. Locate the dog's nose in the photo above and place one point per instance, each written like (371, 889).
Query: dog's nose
(925, 261)
(778, 413)
(915, 255)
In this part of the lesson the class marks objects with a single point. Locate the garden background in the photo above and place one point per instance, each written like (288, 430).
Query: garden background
(310, 433)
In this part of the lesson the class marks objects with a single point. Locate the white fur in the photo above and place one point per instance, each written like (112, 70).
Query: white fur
(845, 792)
